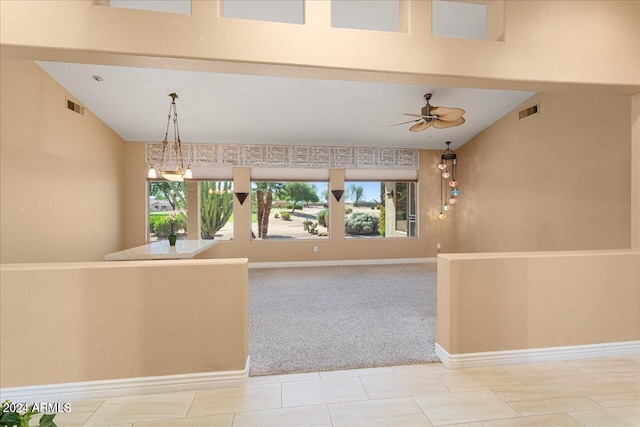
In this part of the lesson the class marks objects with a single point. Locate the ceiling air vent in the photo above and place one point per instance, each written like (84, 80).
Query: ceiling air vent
(529, 111)
(75, 107)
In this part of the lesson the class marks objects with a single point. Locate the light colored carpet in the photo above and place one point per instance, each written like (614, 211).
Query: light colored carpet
(324, 318)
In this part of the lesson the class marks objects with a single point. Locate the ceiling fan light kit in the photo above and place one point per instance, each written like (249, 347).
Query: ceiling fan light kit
(178, 172)
(438, 117)
(447, 166)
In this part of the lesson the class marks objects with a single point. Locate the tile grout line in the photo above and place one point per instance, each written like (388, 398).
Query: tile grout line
(443, 384)
(191, 404)
(365, 389)
(510, 405)
(585, 396)
(330, 417)
(511, 375)
(421, 410)
(94, 412)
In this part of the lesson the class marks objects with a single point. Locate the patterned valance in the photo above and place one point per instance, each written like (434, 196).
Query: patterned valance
(289, 156)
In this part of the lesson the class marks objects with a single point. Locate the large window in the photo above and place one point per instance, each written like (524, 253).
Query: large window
(380, 209)
(168, 209)
(289, 210)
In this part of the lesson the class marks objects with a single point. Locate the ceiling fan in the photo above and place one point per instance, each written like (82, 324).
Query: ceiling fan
(438, 117)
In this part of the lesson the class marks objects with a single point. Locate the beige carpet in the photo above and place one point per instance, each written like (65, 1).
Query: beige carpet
(324, 318)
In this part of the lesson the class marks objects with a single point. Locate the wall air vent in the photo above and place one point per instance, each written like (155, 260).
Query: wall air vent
(77, 108)
(529, 111)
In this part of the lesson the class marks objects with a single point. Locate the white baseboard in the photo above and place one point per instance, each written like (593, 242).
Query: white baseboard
(126, 386)
(338, 262)
(535, 355)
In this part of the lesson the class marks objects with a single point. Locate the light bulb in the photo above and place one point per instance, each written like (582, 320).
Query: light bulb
(442, 216)
(453, 201)
(446, 207)
(453, 183)
(446, 174)
(188, 174)
(442, 166)
(152, 173)
(455, 192)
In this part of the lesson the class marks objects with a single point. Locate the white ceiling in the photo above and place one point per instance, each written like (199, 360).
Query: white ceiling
(249, 109)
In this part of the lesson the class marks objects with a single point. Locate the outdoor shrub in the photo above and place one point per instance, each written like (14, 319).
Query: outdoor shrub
(382, 227)
(285, 215)
(160, 225)
(290, 206)
(347, 211)
(362, 223)
(323, 219)
(276, 215)
(310, 226)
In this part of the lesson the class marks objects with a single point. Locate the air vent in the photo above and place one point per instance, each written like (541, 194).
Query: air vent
(529, 111)
(77, 108)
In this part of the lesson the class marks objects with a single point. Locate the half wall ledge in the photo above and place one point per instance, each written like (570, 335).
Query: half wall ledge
(139, 325)
(499, 308)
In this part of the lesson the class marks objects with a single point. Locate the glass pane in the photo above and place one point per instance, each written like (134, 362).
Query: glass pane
(380, 209)
(363, 209)
(288, 11)
(167, 210)
(380, 15)
(289, 210)
(216, 210)
(171, 6)
(460, 19)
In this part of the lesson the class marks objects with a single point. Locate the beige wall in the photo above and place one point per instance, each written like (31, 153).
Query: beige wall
(62, 174)
(559, 180)
(545, 41)
(72, 322)
(507, 301)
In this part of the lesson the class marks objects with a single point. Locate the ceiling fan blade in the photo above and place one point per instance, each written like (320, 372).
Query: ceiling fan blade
(404, 123)
(447, 114)
(420, 127)
(440, 124)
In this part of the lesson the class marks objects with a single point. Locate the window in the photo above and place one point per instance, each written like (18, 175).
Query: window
(460, 19)
(216, 210)
(380, 209)
(287, 11)
(167, 210)
(366, 14)
(289, 210)
(171, 6)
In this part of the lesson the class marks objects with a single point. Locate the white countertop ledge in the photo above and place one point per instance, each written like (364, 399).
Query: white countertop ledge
(184, 249)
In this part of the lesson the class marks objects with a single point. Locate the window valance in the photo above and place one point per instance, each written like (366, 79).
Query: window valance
(203, 156)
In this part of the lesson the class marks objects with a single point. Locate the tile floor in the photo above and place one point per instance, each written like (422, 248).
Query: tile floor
(587, 392)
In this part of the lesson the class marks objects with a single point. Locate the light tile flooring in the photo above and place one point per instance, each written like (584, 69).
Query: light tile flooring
(588, 392)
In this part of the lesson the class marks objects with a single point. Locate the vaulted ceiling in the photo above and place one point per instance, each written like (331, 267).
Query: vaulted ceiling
(250, 109)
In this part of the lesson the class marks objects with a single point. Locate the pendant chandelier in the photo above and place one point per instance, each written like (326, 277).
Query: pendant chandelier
(447, 166)
(172, 151)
